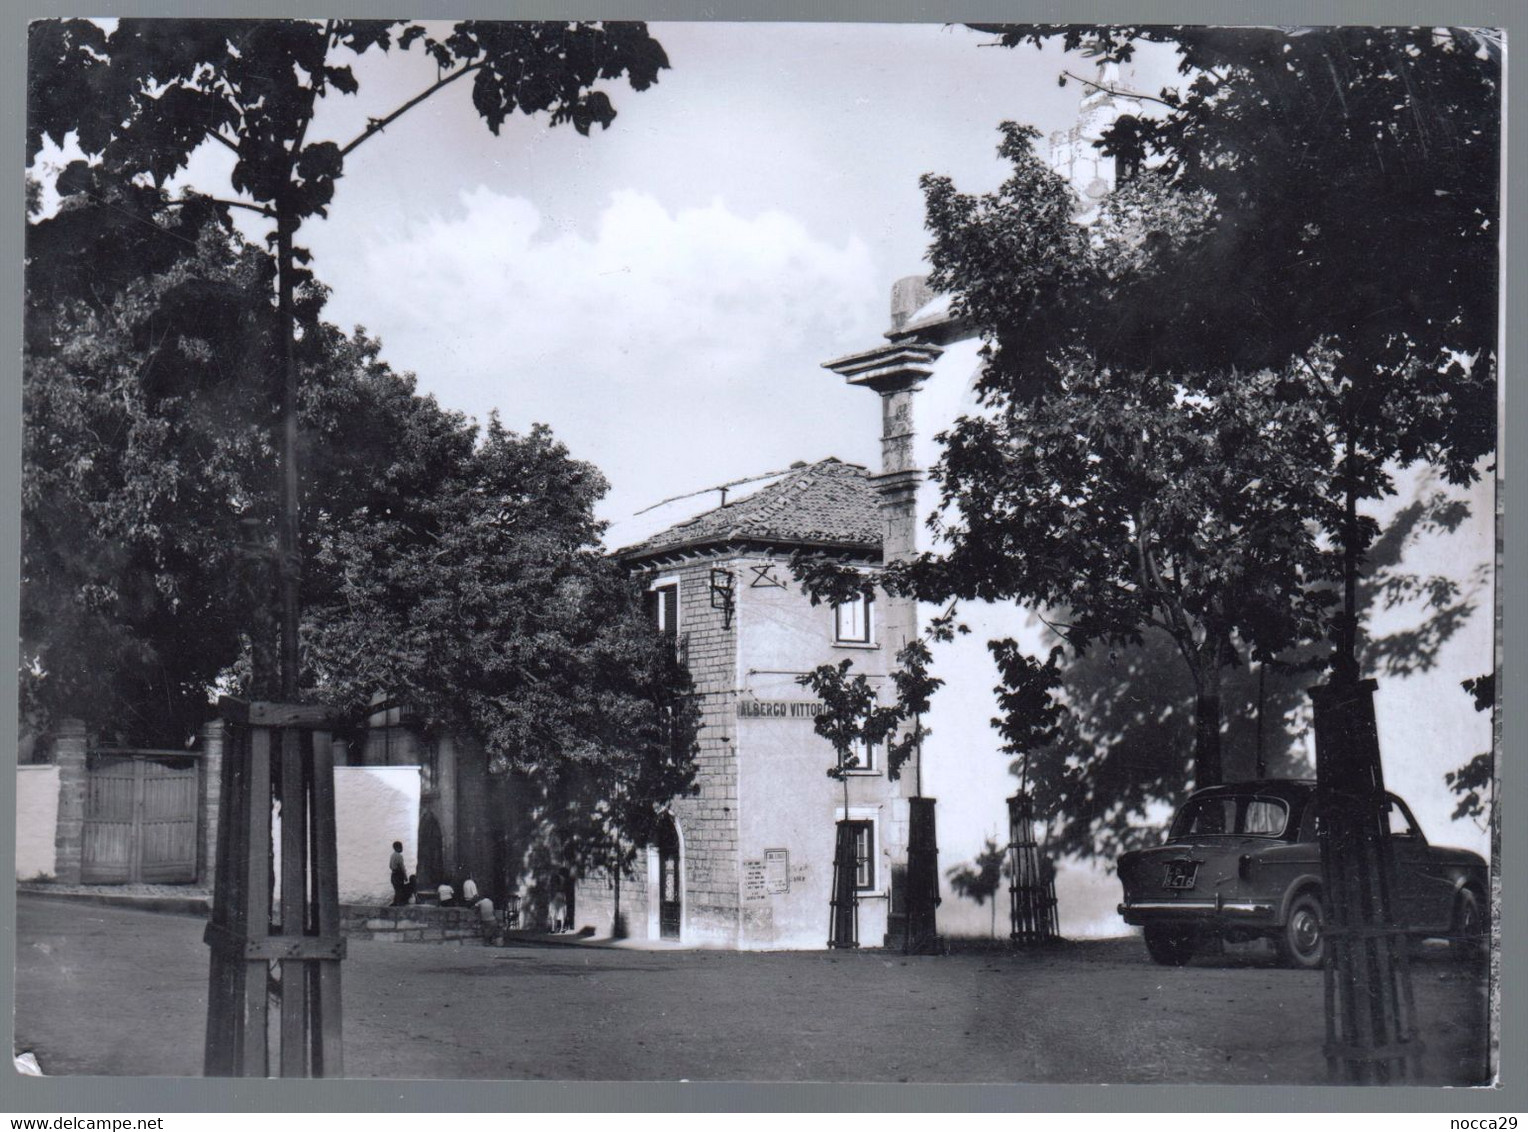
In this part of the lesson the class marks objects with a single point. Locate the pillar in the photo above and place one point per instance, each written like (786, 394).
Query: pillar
(210, 790)
(70, 747)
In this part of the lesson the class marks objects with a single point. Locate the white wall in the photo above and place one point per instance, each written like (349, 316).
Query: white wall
(36, 821)
(373, 807)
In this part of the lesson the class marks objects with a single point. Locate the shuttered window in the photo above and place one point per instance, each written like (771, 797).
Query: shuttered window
(663, 603)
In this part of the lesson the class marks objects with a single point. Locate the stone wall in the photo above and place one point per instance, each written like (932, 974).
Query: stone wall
(36, 822)
(790, 806)
(595, 904)
(410, 923)
(707, 820)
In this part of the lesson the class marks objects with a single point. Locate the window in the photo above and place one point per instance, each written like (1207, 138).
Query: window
(663, 606)
(1233, 815)
(1265, 817)
(861, 760)
(1400, 820)
(864, 854)
(852, 621)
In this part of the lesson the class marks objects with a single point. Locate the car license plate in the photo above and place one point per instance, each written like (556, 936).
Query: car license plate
(1180, 874)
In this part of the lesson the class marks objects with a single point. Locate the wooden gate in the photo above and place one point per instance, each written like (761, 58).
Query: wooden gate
(141, 818)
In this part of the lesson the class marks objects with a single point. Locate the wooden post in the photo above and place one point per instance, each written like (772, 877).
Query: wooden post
(275, 753)
(922, 931)
(843, 912)
(1370, 1013)
(1031, 886)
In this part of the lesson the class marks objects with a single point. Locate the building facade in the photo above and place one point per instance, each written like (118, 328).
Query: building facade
(747, 860)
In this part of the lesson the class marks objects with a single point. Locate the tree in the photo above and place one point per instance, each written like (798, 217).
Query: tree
(483, 601)
(1121, 498)
(1353, 176)
(981, 879)
(143, 453)
(1117, 756)
(456, 570)
(144, 96)
(1178, 305)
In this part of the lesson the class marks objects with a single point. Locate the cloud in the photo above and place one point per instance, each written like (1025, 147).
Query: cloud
(654, 296)
(609, 336)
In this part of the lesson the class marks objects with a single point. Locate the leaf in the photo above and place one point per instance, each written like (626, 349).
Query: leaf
(342, 79)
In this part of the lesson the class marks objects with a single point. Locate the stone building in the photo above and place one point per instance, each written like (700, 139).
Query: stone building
(747, 861)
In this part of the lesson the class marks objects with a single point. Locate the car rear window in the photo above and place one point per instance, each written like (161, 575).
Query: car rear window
(1235, 814)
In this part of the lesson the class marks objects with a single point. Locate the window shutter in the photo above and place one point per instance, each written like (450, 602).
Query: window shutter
(670, 597)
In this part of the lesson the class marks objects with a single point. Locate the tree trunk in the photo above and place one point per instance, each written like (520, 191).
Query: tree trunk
(501, 820)
(262, 599)
(288, 566)
(1207, 756)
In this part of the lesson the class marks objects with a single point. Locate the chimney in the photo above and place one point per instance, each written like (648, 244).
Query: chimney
(909, 295)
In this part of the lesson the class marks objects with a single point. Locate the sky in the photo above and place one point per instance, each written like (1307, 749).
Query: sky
(663, 293)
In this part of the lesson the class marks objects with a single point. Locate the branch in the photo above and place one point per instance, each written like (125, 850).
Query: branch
(1060, 629)
(217, 135)
(1180, 631)
(1117, 91)
(377, 125)
(260, 208)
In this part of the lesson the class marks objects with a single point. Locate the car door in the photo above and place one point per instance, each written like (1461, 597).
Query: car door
(1424, 895)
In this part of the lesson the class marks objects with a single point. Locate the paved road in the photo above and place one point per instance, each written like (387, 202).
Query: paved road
(111, 991)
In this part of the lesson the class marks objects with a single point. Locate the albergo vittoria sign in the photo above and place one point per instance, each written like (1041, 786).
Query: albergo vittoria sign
(779, 709)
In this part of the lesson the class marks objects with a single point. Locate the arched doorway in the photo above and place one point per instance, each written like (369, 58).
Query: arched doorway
(670, 880)
(432, 863)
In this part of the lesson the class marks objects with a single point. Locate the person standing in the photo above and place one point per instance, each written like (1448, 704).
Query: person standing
(400, 875)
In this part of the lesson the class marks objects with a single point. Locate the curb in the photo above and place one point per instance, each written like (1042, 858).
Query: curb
(169, 905)
(534, 939)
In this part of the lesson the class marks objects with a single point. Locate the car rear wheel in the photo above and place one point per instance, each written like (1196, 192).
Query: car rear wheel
(1303, 942)
(1171, 946)
(1467, 935)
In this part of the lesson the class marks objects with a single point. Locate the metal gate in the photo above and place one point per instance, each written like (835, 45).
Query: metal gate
(140, 818)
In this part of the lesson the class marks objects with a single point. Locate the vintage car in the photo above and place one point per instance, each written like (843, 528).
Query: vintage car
(1241, 861)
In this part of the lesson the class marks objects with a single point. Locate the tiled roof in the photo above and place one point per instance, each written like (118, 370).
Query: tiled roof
(828, 503)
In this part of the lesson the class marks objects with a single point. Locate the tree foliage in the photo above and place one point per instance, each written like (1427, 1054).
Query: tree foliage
(141, 98)
(144, 462)
(1179, 400)
(1121, 498)
(980, 879)
(851, 714)
(1032, 717)
(1353, 176)
(1117, 755)
(1473, 781)
(146, 94)
(487, 604)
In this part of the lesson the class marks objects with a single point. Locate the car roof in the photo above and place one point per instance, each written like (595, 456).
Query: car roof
(1289, 788)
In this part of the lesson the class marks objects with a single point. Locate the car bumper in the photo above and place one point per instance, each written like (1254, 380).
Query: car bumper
(1226, 912)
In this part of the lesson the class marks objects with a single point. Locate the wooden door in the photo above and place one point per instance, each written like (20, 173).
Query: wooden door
(167, 822)
(111, 802)
(140, 820)
(670, 906)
